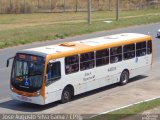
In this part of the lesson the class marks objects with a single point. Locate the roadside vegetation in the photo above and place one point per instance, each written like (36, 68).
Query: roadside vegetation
(38, 6)
(16, 29)
(129, 111)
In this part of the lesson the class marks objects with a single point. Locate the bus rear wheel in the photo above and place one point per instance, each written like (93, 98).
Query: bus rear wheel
(124, 77)
(66, 95)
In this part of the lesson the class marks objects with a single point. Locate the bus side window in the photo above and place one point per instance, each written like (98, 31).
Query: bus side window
(128, 51)
(140, 49)
(149, 47)
(87, 61)
(116, 54)
(71, 64)
(102, 57)
(53, 72)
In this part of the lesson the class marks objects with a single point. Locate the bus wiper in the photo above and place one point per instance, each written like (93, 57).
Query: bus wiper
(23, 75)
(35, 74)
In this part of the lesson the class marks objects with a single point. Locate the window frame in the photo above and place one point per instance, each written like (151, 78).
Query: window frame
(83, 63)
(105, 57)
(141, 49)
(119, 54)
(151, 47)
(129, 51)
(69, 65)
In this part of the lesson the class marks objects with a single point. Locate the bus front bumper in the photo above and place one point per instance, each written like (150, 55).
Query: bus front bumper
(36, 100)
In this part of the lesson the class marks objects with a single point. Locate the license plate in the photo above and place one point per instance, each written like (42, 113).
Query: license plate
(23, 98)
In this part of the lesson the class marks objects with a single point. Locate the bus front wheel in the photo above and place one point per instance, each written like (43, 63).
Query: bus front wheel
(66, 95)
(124, 77)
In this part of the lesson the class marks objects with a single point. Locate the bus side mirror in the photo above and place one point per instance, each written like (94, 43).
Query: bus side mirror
(8, 61)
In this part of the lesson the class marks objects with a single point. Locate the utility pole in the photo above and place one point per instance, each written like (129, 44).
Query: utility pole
(76, 5)
(89, 11)
(24, 5)
(109, 2)
(10, 6)
(117, 10)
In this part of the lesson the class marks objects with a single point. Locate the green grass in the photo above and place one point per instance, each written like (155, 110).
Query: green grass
(16, 29)
(129, 111)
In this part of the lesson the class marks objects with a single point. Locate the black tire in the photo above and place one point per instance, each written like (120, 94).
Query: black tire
(66, 95)
(124, 78)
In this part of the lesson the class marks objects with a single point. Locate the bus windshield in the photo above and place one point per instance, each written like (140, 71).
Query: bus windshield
(27, 75)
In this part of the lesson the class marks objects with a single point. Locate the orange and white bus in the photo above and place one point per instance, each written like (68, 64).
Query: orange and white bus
(58, 72)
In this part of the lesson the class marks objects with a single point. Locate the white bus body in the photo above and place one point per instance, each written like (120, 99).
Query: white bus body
(107, 58)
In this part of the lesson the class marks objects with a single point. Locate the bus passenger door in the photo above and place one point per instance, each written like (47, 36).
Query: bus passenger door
(53, 77)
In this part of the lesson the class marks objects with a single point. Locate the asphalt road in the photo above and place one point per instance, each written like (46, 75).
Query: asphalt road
(9, 52)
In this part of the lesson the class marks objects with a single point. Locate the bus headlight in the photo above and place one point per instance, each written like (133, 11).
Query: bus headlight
(12, 88)
(38, 92)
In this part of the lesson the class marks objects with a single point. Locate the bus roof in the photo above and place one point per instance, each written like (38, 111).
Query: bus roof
(75, 47)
